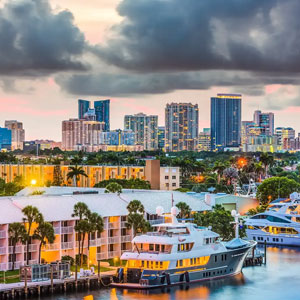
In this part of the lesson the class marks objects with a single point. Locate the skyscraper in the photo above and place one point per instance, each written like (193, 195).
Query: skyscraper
(161, 137)
(182, 124)
(5, 139)
(102, 108)
(265, 121)
(83, 107)
(145, 129)
(225, 121)
(17, 134)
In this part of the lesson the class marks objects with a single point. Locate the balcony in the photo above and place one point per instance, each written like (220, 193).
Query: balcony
(3, 250)
(2, 234)
(56, 230)
(112, 254)
(123, 224)
(32, 248)
(33, 262)
(17, 250)
(98, 242)
(114, 225)
(67, 245)
(3, 266)
(18, 265)
(67, 230)
(126, 238)
(51, 247)
(114, 240)
(101, 256)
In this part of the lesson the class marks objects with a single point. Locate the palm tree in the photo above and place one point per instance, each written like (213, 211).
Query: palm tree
(113, 187)
(267, 160)
(230, 173)
(44, 233)
(32, 215)
(82, 228)
(219, 167)
(258, 169)
(17, 233)
(185, 210)
(75, 173)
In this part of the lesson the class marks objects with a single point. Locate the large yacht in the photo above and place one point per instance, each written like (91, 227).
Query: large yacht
(177, 253)
(279, 224)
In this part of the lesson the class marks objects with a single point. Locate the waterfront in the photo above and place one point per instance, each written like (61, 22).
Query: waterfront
(279, 279)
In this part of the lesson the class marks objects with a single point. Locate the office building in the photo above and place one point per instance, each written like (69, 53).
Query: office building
(161, 137)
(5, 139)
(100, 112)
(262, 143)
(265, 121)
(204, 141)
(145, 129)
(181, 127)
(117, 137)
(225, 121)
(284, 133)
(17, 134)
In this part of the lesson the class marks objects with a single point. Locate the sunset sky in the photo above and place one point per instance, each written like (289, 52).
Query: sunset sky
(143, 54)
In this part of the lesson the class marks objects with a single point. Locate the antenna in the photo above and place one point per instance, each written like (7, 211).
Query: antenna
(236, 215)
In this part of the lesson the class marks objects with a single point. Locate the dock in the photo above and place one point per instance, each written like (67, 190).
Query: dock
(255, 258)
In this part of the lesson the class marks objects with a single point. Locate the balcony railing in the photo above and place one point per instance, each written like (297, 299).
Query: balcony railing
(51, 247)
(112, 254)
(98, 242)
(114, 240)
(56, 230)
(18, 265)
(3, 266)
(2, 234)
(101, 256)
(32, 248)
(123, 224)
(67, 230)
(67, 245)
(33, 262)
(114, 225)
(3, 250)
(17, 250)
(126, 238)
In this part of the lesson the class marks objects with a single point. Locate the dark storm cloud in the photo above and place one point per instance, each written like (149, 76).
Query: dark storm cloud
(177, 35)
(36, 41)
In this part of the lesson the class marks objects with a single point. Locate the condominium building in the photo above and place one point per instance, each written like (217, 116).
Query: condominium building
(264, 120)
(225, 121)
(17, 133)
(5, 139)
(204, 140)
(117, 137)
(161, 137)
(181, 127)
(145, 129)
(81, 134)
(283, 133)
(262, 143)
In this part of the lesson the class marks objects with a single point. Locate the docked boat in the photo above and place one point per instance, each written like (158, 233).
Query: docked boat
(279, 224)
(179, 253)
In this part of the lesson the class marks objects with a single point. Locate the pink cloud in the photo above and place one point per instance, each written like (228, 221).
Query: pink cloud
(132, 104)
(272, 88)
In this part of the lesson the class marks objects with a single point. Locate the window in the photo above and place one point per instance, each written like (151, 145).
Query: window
(151, 247)
(173, 177)
(166, 177)
(157, 247)
(174, 184)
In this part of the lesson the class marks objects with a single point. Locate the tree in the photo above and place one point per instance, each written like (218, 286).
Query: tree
(276, 187)
(75, 173)
(230, 174)
(31, 215)
(17, 233)
(219, 167)
(184, 210)
(135, 219)
(267, 160)
(113, 188)
(44, 233)
(259, 209)
(57, 176)
(82, 228)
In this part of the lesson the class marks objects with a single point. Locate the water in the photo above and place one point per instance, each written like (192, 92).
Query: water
(279, 279)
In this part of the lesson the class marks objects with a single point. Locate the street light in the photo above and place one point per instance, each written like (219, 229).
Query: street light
(33, 181)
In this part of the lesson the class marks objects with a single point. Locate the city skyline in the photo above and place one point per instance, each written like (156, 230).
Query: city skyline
(43, 89)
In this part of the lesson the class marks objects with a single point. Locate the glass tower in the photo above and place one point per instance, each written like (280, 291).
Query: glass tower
(83, 107)
(225, 121)
(5, 139)
(102, 112)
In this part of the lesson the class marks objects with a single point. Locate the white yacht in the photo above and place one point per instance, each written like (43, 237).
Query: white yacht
(178, 253)
(279, 224)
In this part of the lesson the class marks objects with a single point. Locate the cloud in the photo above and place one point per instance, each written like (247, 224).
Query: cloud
(176, 35)
(36, 41)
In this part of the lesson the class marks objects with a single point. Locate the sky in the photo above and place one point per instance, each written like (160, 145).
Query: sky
(142, 54)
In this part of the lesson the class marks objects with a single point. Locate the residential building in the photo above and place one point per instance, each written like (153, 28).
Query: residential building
(5, 139)
(81, 135)
(225, 121)
(264, 120)
(204, 140)
(262, 143)
(117, 137)
(283, 133)
(145, 129)
(17, 133)
(246, 125)
(169, 178)
(161, 137)
(48, 144)
(181, 127)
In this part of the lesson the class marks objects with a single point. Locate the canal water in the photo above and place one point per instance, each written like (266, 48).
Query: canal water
(279, 279)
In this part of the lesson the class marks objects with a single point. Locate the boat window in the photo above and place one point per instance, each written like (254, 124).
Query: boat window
(259, 217)
(276, 219)
(157, 247)
(184, 247)
(151, 247)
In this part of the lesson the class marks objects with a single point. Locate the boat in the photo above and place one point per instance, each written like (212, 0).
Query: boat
(180, 253)
(279, 224)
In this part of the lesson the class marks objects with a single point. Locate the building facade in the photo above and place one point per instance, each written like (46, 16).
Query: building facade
(17, 134)
(265, 121)
(5, 139)
(161, 137)
(145, 129)
(225, 121)
(117, 138)
(181, 127)
(284, 133)
(102, 111)
(204, 140)
(262, 143)
(83, 107)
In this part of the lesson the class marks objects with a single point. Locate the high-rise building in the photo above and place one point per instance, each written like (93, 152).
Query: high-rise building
(284, 133)
(102, 108)
(83, 107)
(204, 141)
(117, 137)
(99, 113)
(17, 133)
(145, 129)
(182, 125)
(225, 121)
(161, 137)
(5, 139)
(81, 134)
(265, 121)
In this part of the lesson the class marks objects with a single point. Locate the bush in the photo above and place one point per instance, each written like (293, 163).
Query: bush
(68, 258)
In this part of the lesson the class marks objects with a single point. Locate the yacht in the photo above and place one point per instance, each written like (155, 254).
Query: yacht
(180, 253)
(279, 224)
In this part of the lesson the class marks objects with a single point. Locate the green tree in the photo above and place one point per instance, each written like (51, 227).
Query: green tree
(184, 210)
(31, 215)
(230, 174)
(17, 233)
(219, 167)
(113, 188)
(267, 160)
(135, 219)
(259, 209)
(57, 176)
(44, 233)
(276, 187)
(82, 228)
(75, 173)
